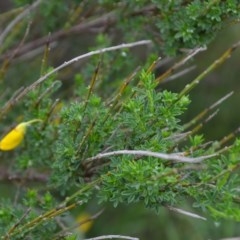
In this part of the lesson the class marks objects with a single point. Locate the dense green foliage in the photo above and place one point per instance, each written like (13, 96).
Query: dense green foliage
(110, 106)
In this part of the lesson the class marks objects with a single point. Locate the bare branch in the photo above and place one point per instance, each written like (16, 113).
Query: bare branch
(224, 57)
(177, 65)
(26, 90)
(76, 59)
(193, 215)
(32, 176)
(179, 74)
(165, 156)
(206, 111)
(113, 237)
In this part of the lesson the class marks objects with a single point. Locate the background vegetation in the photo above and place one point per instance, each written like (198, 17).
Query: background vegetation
(160, 93)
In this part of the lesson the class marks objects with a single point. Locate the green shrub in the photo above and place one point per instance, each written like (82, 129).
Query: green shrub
(123, 145)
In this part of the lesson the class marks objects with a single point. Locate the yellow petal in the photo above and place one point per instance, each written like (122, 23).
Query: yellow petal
(85, 222)
(12, 139)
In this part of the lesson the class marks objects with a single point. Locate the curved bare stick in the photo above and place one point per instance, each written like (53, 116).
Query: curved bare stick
(184, 212)
(112, 237)
(165, 156)
(86, 55)
(65, 64)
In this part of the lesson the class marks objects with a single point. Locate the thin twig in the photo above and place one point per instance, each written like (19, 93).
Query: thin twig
(211, 116)
(117, 95)
(76, 59)
(226, 139)
(41, 218)
(26, 90)
(179, 64)
(184, 212)
(226, 55)
(112, 237)
(45, 55)
(18, 223)
(11, 101)
(49, 113)
(8, 60)
(17, 19)
(45, 92)
(33, 176)
(178, 136)
(153, 65)
(206, 111)
(90, 90)
(179, 74)
(165, 156)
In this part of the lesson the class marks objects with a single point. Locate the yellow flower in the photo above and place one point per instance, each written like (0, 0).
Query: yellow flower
(12, 139)
(85, 222)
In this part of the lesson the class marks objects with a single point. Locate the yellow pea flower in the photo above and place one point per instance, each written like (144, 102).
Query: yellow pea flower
(85, 222)
(12, 139)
